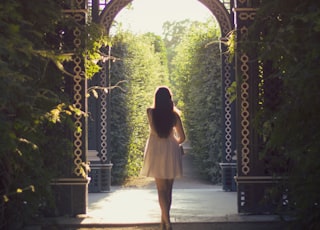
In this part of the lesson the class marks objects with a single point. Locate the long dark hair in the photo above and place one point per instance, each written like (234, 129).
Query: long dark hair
(164, 115)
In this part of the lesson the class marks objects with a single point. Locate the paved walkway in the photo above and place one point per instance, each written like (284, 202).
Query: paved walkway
(197, 205)
(194, 200)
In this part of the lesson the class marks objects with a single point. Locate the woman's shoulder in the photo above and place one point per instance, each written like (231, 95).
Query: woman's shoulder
(177, 114)
(150, 110)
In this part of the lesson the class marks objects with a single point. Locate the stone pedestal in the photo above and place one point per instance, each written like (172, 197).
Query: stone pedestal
(229, 171)
(71, 196)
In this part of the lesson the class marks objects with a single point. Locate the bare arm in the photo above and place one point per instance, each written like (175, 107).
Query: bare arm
(180, 131)
(149, 114)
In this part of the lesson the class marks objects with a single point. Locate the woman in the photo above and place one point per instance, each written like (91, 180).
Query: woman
(162, 157)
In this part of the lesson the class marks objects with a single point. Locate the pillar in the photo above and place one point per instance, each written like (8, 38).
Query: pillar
(252, 180)
(70, 190)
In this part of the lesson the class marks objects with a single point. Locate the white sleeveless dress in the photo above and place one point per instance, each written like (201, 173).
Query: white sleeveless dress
(162, 156)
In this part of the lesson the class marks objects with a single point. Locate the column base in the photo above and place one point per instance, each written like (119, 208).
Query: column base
(70, 196)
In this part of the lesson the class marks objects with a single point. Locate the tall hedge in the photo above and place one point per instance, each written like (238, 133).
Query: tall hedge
(197, 76)
(143, 65)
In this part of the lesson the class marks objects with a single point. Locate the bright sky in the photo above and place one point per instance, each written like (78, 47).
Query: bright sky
(149, 15)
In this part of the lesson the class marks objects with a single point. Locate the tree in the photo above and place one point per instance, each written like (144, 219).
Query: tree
(174, 33)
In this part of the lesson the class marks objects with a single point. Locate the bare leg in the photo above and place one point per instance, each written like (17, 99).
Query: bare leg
(164, 187)
(169, 192)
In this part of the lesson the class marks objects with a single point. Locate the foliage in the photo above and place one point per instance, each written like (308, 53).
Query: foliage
(288, 46)
(25, 99)
(142, 64)
(174, 33)
(96, 38)
(35, 108)
(197, 75)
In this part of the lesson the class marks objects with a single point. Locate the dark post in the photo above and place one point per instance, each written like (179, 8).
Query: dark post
(252, 180)
(99, 139)
(228, 164)
(71, 190)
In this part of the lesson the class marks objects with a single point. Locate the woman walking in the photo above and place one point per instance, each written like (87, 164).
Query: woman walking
(162, 157)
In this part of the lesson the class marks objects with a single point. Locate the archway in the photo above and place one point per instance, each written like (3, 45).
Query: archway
(106, 18)
(222, 12)
(251, 179)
